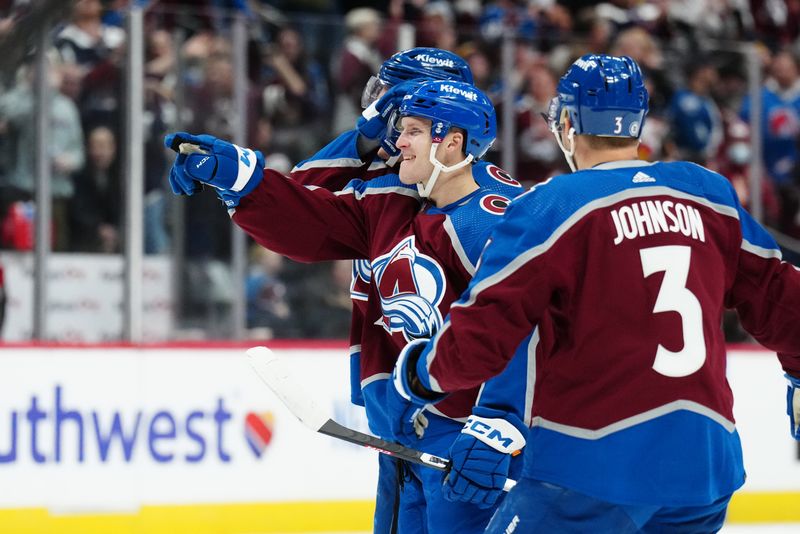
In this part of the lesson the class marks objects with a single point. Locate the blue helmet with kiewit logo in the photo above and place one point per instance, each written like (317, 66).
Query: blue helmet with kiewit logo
(603, 96)
(424, 62)
(421, 63)
(450, 103)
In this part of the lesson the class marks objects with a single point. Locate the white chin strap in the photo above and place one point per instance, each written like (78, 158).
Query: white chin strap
(568, 154)
(438, 167)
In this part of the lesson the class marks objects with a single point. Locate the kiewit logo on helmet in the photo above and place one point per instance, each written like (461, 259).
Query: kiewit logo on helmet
(438, 61)
(586, 65)
(472, 96)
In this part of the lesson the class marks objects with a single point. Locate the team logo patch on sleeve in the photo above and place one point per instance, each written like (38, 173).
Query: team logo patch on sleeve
(494, 204)
(501, 176)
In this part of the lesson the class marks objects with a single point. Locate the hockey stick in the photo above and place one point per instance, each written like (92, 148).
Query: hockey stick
(274, 372)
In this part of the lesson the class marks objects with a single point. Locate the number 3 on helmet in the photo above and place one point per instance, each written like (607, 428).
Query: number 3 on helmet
(603, 95)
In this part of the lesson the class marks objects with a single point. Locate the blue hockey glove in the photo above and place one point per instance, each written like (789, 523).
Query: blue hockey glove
(407, 422)
(204, 159)
(481, 456)
(388, 144)
(793, 405)
(374, 120)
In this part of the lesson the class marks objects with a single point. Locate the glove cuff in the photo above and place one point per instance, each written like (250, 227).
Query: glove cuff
(504, 432)
(402, 375)
(371, 111)
(250, 163)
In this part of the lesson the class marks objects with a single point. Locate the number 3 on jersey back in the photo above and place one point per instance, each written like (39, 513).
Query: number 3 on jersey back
(674, 296)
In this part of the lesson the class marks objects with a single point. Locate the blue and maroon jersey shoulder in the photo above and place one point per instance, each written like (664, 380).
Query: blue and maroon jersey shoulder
(617, 278)
(492, 178)
(420, 258)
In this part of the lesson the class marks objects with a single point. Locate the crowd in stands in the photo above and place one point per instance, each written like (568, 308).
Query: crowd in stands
(307, 63)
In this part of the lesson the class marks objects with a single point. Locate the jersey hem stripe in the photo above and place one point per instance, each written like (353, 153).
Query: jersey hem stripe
(585, 433)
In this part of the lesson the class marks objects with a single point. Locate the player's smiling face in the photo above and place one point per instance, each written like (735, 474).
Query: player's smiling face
(415, 148)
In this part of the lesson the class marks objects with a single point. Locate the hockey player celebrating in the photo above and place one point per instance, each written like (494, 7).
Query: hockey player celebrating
(630, 265)
(368, 151)
(422, 254)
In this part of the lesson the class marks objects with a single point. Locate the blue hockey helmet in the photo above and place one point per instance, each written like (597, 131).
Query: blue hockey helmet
(450, 103)
(603, 96)
(416, 63)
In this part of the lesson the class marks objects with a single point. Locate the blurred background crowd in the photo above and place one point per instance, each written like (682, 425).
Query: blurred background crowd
(307, 63)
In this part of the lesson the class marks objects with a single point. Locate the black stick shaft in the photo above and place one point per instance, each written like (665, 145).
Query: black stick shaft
(334, 429)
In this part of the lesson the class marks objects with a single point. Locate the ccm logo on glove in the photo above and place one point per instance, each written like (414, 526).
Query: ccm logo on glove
(497, 433)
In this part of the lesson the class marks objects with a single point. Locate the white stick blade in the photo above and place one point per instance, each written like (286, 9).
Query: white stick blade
(274, 372)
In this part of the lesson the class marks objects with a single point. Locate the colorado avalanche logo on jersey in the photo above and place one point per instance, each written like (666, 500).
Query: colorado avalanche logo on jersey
(411, 286)
(360, 279)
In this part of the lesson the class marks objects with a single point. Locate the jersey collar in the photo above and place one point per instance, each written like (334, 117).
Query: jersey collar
(453, 205)
(622, 164)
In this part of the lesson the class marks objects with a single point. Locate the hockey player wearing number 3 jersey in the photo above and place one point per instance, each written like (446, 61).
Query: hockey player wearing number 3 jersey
(630, 265)
(422, 252)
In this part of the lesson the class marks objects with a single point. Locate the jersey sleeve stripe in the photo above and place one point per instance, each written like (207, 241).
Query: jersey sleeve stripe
(530, 386)
(327, 163)
(434, 384)
(359, 194)
(585, 433)
(374, 378)
(766, 253)
(376, 166)
(457, 246)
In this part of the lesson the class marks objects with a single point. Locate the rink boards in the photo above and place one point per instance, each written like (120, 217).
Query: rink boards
(189, 440)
